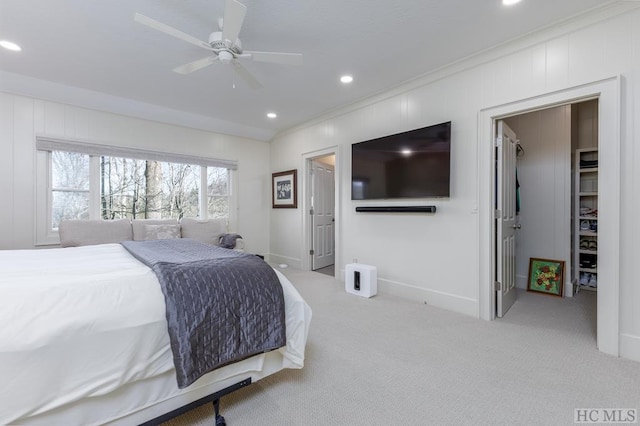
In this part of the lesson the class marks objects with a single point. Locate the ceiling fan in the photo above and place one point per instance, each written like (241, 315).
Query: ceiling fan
(224, 45)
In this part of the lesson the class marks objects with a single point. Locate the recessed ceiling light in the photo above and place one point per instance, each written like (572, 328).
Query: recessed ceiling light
(10, 46)
(510, 2)
(346, 79)
(272, 115)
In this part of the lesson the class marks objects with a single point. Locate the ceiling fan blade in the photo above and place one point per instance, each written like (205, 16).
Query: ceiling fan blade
(234, 13)
(246, 75)
(152, 23)
(276, 57)
(195, 65)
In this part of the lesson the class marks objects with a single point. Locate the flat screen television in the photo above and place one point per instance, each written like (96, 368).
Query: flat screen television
(413, 164)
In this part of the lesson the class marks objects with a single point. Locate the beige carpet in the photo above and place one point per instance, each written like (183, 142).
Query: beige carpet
(327, 270)
(388, 361)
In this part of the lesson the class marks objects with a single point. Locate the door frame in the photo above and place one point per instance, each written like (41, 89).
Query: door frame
(318, 185)
(607, 91)
(505, 222)
(306, 206)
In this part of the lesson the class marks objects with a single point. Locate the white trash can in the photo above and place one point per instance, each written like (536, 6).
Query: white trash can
(361, 279)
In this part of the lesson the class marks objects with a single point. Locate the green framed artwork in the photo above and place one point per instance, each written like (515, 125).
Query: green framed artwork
(546, 276)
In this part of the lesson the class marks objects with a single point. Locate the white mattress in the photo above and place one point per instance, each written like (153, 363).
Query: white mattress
(79, 324)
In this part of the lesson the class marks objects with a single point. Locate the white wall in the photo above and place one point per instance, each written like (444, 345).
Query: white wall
(435, 258)
(544, 174)
(22, 118)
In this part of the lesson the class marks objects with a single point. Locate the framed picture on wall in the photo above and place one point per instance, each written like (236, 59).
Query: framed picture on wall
(284, 190)
(546, 276)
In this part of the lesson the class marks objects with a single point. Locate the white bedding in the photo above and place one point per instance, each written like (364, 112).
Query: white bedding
(80, 322)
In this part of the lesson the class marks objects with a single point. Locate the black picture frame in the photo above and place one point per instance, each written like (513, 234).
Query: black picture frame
(284, 192)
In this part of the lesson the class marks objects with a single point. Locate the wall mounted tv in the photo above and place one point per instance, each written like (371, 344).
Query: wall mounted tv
(413, 164)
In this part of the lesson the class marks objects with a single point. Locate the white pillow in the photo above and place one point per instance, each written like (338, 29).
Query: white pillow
(207, 231)
(139, 226)
(80, 232)
(161, 232)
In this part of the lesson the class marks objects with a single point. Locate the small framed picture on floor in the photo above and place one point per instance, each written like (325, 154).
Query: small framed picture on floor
(546, 276)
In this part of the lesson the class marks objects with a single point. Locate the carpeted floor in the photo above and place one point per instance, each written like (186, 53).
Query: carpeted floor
(327, 270)
(388, 361)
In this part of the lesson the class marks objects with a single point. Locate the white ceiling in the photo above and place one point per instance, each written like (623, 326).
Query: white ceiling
(96, 45)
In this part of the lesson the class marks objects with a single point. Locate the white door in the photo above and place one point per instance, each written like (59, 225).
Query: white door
(322, 214)
(505, 218)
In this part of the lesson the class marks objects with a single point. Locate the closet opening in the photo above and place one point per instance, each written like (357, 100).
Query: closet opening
(555, 210)
(607, 94)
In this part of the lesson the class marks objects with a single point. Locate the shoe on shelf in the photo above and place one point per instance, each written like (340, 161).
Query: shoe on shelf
(584, 278)
(593, 225)
(588, 211)
(593, 245)
(584, 244)
(593, 281)
(584, 225)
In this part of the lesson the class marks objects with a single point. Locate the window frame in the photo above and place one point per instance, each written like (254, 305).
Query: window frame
(45, 233)
(204, 193)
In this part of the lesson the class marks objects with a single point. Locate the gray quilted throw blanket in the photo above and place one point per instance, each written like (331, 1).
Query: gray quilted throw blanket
(222, 305)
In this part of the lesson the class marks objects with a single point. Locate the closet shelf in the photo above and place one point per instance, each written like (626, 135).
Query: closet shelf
(588, 251)
(586, 287)
(588, 234)
(585, 216)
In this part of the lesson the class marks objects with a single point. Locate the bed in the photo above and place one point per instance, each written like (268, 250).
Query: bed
(84, 340)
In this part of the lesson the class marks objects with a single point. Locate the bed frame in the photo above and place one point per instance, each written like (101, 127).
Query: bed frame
(213, 398)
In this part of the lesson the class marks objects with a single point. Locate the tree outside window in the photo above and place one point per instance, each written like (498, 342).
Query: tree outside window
(69, 186)
(217, 192)
(136, 189)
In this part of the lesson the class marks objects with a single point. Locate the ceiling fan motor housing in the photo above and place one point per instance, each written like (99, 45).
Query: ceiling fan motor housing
(220, 45)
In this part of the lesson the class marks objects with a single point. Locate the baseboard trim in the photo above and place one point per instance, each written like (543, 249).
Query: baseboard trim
(521, 282)
(439, 299)
(630, 346)
(278, 258)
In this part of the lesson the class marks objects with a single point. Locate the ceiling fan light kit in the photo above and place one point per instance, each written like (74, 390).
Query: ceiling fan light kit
(224, 45)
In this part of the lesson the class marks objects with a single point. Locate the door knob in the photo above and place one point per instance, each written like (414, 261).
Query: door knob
(516, 226)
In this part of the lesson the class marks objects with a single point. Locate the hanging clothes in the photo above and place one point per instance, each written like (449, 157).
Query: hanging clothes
(517, 193)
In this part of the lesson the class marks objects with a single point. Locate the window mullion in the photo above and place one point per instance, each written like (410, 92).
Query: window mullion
(204, 193)
(94, 187)
(49, 220)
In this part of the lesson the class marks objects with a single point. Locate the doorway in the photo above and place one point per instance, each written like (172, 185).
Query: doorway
(542, 218)
(551, 143)
(320, 207)
(607, 94)
(323, 241)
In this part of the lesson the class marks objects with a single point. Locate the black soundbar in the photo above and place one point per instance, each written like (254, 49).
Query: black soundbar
(396, 209)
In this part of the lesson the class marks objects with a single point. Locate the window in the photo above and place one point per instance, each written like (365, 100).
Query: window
(79, 182)
(69, 186)
(149, 189)
(217, 192)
